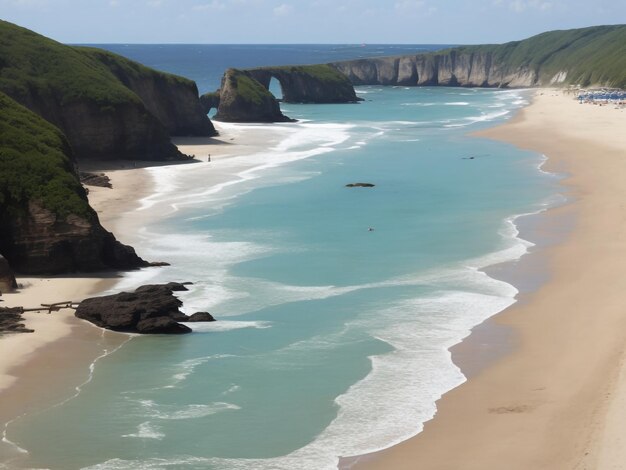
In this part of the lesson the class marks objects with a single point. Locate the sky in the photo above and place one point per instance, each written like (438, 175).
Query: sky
(313, 21)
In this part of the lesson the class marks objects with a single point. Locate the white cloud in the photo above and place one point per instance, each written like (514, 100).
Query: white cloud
(214, 5)
(409, 5)
(283, 10)
(519, 6)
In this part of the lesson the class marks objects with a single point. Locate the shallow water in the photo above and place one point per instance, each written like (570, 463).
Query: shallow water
(332, 339)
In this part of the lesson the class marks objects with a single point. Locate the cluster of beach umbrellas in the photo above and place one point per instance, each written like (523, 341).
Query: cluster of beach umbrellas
(615, 96)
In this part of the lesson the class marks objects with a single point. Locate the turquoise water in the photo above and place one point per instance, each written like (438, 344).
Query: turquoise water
(332, 339)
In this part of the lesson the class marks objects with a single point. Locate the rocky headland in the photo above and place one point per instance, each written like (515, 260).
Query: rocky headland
(585, 57)
(46, 223)
(245, 97)
(107, 106)
(151, 309)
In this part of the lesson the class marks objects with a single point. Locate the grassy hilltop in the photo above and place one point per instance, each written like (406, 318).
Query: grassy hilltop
(591, 56)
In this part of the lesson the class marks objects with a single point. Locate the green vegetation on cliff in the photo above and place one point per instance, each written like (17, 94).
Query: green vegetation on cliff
(322, 72)
(32, 65)
(590, 56)
(107, 106)
(36, 165)
(248, 89)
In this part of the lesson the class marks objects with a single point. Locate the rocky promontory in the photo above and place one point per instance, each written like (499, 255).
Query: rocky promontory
(46, 223)
(548, 59)
(316, 84)
(151, 309)
(243, 99)
(107, 106)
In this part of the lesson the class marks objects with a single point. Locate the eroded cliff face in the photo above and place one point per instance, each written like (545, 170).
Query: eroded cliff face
(46, 223)
(244, 99)
(40, 242)
(122, 131)
(108, 107)
(470, 69)
(308, 83)
(174, 101)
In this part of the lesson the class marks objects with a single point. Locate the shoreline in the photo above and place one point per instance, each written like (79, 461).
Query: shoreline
(544, 404)
(42, 369)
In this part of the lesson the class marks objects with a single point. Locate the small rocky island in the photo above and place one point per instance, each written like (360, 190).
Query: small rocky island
(150, 309)
(360, 185)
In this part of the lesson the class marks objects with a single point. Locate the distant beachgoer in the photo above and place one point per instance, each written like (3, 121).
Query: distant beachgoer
(370, 229)
(209, 158)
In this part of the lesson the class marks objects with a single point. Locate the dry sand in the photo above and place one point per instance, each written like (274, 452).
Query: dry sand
(558, 401)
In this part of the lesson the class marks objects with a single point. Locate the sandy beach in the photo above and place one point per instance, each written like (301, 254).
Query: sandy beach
(558, 400)
(42, 368)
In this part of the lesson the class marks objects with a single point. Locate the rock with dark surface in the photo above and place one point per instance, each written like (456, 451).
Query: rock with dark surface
(150, 309)
(308, 83)
(11, 321)
(201, 317)
(210, 101)
(243, 99)
(7, 279)
(95, 179)
(360, 185)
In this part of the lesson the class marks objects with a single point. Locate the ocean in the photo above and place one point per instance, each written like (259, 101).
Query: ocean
(336, 306)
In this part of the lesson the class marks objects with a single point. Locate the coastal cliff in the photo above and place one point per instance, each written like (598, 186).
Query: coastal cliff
(593, 56)
(46, 223)
(317, 84)
(244, 99)
(108, 107)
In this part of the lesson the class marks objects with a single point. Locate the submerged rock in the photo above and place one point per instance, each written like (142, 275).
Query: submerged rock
(201, 316)
(150, 309)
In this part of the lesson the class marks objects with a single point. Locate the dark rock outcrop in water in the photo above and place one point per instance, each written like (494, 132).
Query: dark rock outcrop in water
(585, 57)
(243, 99)
(46, 223)
(150, 309)
(107, 106)
(7, 278)
(308, 83)
(201, 317)
(245, 96)
(360, 185)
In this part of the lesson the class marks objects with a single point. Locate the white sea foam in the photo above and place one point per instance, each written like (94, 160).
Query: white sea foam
(186, 368)
(183, 186)
(421, 333)
(153, 410)
(147, 430)
(227, 325)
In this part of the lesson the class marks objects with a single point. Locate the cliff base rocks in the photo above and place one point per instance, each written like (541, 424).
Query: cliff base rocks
(11, 321)
(7, 279)
(95, 179)
(151, 309)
